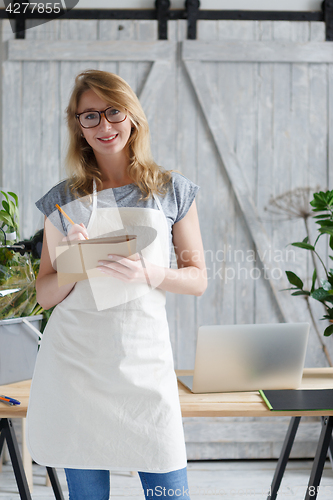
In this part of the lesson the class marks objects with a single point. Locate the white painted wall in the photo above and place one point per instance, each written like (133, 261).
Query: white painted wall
(298, 5)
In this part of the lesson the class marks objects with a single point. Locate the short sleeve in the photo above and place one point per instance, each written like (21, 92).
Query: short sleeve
(59, 194)
(184, 192)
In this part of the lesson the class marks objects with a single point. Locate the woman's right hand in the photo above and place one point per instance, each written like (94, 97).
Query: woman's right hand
(77, 232)
(49, 293)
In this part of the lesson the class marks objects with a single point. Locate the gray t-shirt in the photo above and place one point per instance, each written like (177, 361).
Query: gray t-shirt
(175, 204)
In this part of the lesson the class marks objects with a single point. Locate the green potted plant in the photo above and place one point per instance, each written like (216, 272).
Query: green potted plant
(20, 315)
(321, 288)
(18, 270)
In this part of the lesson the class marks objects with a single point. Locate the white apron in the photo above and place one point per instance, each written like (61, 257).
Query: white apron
(104, 393)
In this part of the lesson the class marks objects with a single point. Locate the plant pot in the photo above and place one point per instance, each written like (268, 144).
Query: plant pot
(18, 348)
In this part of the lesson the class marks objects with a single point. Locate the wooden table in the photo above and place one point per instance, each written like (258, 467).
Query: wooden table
(250, 404)
(243, 404)
(21, 391)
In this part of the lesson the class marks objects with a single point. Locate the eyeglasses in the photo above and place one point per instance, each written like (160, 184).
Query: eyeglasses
(91, 119)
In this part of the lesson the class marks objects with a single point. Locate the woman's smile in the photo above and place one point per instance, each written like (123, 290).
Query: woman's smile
(106, 138)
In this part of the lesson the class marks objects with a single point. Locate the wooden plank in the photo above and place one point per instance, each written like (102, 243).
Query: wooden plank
(12, 129)
(74, 50)
(74, 29)
(226, 90)
(299, 126)
(146, 31)
(6, 30)
(213, 116)
(256, 51)
(330, 129)
(281, 141)
(42, 147)
(44, 31)
(156, 78)
(31, 117)
(176, 134)
(248, 451)
(171, 298)
(108, 30)
(317, 31)
(127, 69)
(73, 33)
(247, 430)
(51, 118)
(247, 404)
(219, 235)
(266, 310)
(242, 102)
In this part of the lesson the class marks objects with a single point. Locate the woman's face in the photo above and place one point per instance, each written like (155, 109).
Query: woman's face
(107, 138)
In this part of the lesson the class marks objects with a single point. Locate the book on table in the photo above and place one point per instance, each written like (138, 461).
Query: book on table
(75, 258)
(298, 399)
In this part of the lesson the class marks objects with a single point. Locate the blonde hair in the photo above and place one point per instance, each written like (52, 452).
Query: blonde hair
(81, 162)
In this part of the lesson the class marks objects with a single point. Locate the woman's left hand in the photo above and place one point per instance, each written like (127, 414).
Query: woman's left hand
(133, 270)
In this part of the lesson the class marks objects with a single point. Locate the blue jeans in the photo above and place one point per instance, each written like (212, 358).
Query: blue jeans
(89, 484)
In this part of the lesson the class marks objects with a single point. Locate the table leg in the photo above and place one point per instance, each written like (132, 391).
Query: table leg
(319, 460)
(330, 448)
(284, 456)
(26, 458)
(7, 433)
(55, 483)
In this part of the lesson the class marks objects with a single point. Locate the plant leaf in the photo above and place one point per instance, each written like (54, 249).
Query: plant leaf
(322, 216)
(325, 222)
(319, 236)
(319, 294)
(326, 230)
(326, 285)
(12, 209)
(5, 194)
(303, 245)
(306, 239)
(301, 292)
(314, 277)
(328, 331)
(5, 205)
(5, 218)
(294, 280)
(14, 196)
(329, 314)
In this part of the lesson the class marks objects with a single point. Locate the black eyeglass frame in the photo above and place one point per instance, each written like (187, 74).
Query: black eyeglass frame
(100, 113)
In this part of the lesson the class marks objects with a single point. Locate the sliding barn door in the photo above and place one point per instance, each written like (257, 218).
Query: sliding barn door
(245, 111)
(263, 129)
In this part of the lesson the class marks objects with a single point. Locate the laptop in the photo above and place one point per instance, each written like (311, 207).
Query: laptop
(232, 358)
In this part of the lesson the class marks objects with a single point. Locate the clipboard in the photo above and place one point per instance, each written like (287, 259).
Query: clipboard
(298, 400)
(75, 258)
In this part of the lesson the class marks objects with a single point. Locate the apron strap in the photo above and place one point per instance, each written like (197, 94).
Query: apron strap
(158, 202)
(156, 198)
(94, 196)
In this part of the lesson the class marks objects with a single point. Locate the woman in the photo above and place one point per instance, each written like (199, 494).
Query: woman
(104, 393)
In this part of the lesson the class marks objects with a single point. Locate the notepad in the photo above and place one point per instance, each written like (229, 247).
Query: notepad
(75, 258)
(298, 400)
